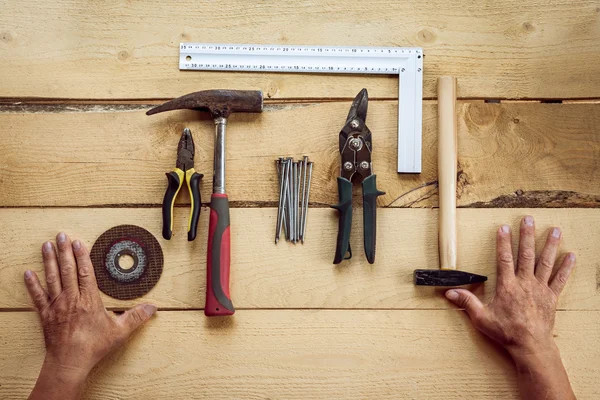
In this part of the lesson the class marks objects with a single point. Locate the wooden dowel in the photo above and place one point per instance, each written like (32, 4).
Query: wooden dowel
(447, 169)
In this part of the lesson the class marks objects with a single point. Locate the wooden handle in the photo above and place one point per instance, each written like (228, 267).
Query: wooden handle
(447, 164)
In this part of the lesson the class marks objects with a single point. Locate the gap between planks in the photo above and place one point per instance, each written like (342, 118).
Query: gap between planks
(58, 105)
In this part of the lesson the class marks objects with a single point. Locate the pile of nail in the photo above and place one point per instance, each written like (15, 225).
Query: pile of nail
(294, 189)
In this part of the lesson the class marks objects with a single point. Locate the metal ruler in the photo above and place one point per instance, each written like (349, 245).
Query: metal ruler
(406, 62)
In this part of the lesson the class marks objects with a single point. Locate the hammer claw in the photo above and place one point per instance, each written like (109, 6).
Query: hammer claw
(220, 103)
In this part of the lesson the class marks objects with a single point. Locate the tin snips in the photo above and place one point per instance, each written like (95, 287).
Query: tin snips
(355, 149)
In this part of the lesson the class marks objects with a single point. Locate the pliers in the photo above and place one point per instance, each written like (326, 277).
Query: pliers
(184, 171)
(355, 149)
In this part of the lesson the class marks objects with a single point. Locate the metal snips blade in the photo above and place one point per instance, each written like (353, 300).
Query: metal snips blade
(355, 140)
(359, 107)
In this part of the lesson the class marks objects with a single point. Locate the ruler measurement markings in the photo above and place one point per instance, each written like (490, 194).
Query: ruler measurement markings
(407, 63)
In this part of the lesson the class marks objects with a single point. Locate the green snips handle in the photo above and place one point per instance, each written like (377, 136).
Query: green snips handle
(343, 250)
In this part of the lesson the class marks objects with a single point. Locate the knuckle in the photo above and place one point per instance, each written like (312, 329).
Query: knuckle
(545, 264)
(505, 257)
(527, 254)
(137, 317)
(84, 271)
(562, 279)
(67, 265)
(52, 279)
(84, 306)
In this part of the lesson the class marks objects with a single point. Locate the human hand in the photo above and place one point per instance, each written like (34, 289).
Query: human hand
(520, 316)
(78, 330)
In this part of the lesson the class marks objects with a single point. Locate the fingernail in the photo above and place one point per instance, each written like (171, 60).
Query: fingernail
(61, 237)
(150, 309)
(47, 248)
(452, 295)
(571, 256)
(28, 274)
(505, 228)
(76, 245)
(556, 233)
(528, 220)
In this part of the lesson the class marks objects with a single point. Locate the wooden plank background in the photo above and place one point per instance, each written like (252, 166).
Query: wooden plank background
(129, 50)
(77, 153)
(288, 276)
(302, 354)
(130, 152)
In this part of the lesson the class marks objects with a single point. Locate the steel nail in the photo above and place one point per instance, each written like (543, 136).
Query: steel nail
(286, 199)
(294, 200)
(290, 199)
(279, 166)
(283, 222)
(302, 206)
(298, 184)
(310, 170)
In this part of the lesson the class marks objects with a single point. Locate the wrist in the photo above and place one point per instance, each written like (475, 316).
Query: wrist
(64, 373)
(58, 381)
(542, 353)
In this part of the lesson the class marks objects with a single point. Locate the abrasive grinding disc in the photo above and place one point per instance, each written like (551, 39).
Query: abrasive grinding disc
(131, 240)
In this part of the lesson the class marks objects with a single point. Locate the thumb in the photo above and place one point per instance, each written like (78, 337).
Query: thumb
(467, 300)
(136, 316)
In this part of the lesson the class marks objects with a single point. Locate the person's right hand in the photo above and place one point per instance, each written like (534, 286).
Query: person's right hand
(521, 315)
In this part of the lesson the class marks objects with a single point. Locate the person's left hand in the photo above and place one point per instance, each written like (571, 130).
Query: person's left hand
(78, 330)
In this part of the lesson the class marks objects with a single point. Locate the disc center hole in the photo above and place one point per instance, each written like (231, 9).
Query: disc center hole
(126, 261)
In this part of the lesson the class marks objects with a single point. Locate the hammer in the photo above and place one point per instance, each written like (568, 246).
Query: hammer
(220, 103)
(447, 275)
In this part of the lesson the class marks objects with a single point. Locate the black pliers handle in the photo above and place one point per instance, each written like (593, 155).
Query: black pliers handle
(176, 179)
(355, 148)
(183, 172)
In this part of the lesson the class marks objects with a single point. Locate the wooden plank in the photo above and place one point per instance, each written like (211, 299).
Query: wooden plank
(510, 155)
(501, 49)
(295, 354)
(265, 275)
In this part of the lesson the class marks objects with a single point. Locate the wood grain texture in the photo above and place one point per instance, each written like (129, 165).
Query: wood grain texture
(127, 49)
(265, 275)
(447, 171)
(295, 354)
(510, 155)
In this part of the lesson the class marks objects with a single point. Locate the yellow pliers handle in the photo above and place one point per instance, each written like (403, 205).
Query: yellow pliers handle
(175, 181)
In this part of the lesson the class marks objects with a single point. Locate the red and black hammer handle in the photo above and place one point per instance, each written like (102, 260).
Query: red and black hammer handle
(218, 299)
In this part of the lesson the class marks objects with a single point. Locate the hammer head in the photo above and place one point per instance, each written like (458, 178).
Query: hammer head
(220, 103)
(445, 277)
